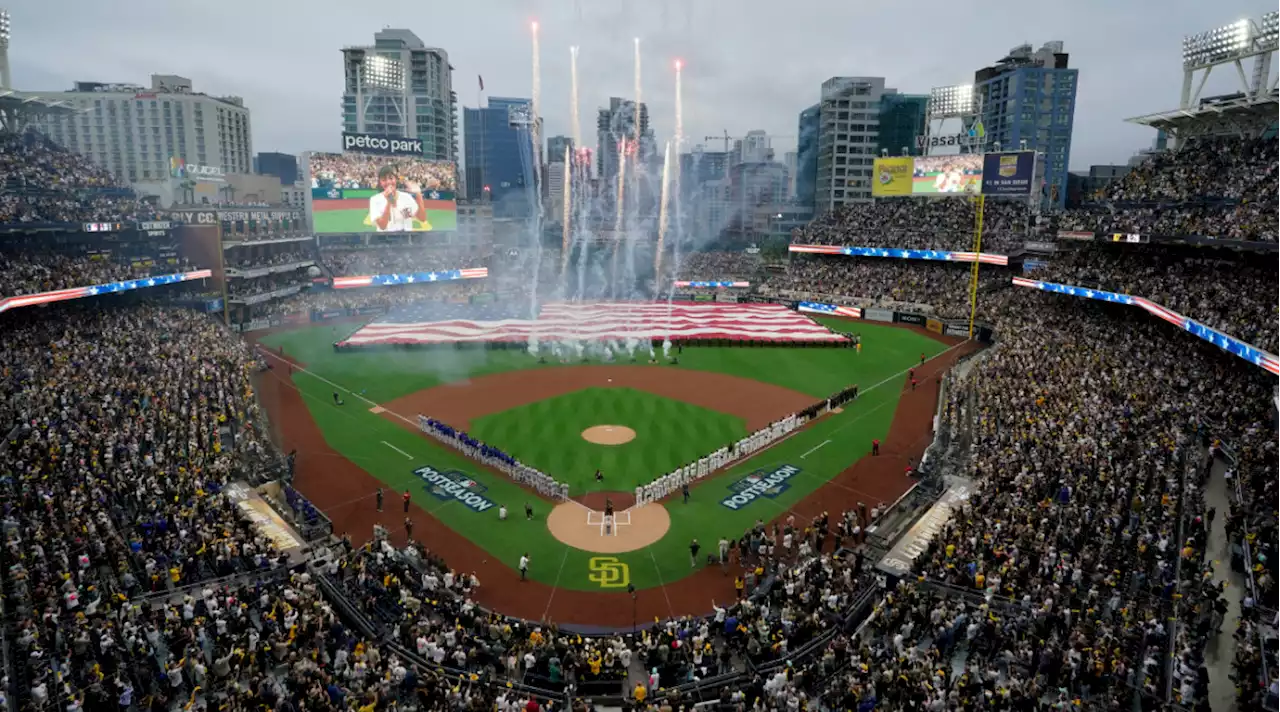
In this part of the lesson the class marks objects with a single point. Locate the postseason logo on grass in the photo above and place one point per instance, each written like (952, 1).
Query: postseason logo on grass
(761, 483)
(445, 486)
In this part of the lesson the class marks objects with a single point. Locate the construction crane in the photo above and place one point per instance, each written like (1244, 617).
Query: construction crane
(728, 163)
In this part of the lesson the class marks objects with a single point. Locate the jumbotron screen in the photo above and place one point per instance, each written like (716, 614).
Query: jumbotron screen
(947, 175)
(364, 192)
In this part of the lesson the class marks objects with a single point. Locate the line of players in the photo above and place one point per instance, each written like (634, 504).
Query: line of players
(745, 447)
(487, 455)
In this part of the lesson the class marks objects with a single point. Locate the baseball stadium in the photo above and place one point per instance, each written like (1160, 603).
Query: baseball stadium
(628, 424)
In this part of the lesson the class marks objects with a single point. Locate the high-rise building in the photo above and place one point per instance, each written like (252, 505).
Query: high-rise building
(755, 147)
(556, 146)
(752, 185)
(618, 123)
(398, 87)
(903, 117)
(704, 190)
(791, 160)
(496, 157)
(281, 165)
(152, 133)
(807, 156)
(848, 136)
(1027, 101)
(556, 173)
(700, 166)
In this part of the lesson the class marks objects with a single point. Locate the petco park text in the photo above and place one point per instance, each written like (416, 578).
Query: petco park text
(758, 484)
(454, 485)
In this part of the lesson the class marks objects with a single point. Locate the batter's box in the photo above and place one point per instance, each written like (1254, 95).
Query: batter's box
(607, 527)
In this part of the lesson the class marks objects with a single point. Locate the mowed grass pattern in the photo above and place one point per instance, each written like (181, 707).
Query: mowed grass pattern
(367, 438)
(548, 435)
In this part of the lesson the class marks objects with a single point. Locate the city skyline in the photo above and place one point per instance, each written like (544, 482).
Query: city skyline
(743, 70)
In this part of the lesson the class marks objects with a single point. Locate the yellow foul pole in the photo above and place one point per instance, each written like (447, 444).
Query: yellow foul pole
(981, 202)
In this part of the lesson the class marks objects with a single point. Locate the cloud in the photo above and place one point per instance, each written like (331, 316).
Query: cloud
(750, 64)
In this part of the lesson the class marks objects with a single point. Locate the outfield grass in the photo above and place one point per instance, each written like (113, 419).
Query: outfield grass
(547, 435)
(821, 451)
(357, 220)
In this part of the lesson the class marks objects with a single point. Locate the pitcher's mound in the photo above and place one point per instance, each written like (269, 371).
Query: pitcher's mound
(608, 434)
(586, 529)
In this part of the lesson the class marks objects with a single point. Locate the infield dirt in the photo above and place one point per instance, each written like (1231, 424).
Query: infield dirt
(457, 404)
(345, 492)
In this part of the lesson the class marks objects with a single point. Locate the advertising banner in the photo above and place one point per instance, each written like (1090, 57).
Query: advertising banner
(960, 174)
(877, 315)
(911, 545)
(368, 192)
(368, 143)
(832, 309)
(1074, 235)
(933, 325)
(956, 328)
(898, 253)
(1008, 173)
(907, 318)
(893, 177)
(255, 325)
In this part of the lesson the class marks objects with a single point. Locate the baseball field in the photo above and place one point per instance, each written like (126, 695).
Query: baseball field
(630, 422)
(350, 213)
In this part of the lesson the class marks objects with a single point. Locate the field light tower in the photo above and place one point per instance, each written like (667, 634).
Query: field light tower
(4, 48)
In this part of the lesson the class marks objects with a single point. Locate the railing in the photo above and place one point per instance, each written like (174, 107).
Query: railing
(1175, 617)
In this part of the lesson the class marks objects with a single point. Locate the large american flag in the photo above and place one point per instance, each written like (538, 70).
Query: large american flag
(613, 321)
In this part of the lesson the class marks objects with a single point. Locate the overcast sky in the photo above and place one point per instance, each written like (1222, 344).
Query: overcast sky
(749, 64)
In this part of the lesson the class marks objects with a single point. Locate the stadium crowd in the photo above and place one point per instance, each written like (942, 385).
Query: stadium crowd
(41, 182)
(1229, 291)
(360, 171)
(718, 266)
(922, 224)
(271, 259)
(872, 281)
(33, 272)
(1223, 188)
(404, 260)
(1050, 589)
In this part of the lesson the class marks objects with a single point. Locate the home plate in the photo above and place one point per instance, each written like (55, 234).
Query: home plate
(377, 409)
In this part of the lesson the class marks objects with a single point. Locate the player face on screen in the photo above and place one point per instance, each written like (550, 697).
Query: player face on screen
(387, 180)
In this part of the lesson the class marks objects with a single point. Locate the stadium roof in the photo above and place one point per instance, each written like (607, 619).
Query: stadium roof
(1240, 114)
(34, 103)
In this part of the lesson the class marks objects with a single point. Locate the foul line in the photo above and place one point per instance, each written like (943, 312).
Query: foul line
(671, 611)
(393, 447)
(555, 586)
(416, 428)
(814, 449)
(798, 431)
(327, 510)
(348, 391)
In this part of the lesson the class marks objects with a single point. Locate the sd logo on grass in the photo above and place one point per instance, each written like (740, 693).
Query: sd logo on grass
(608, 572)
(761, 483)
(454, 485)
